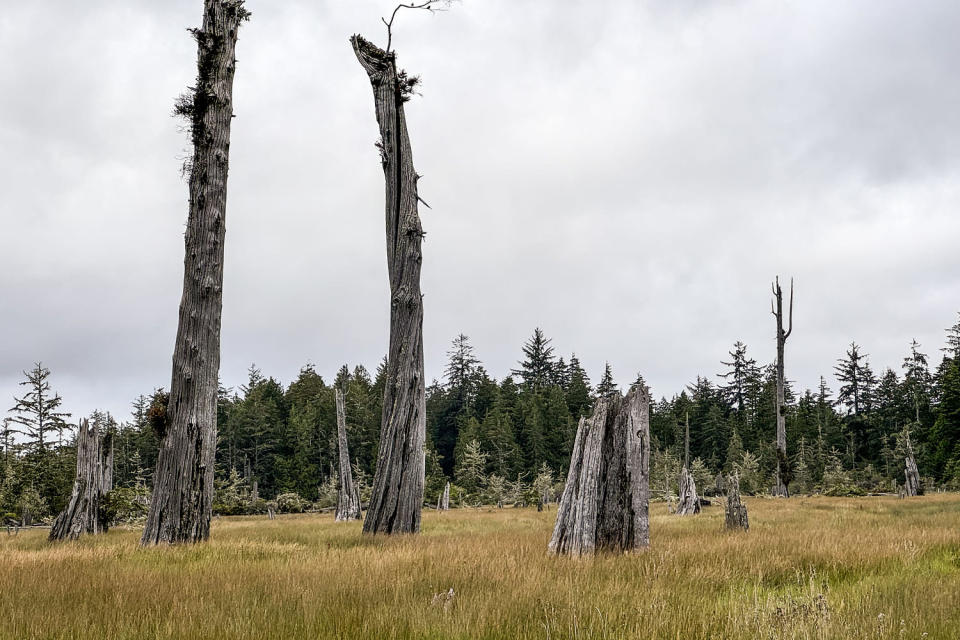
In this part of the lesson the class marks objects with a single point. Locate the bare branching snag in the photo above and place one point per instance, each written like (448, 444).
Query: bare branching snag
(606, 499)
(348, 497)
(689, 502)
(180, 507)
(94, 479)
(736, 513)
(776, 308)
(399, 479)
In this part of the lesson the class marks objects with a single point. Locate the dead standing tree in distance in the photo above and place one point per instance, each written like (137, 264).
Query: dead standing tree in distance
(398, 483)
(911, 485)
(689, 503)
(348, 498)
(736, 513)
(444, 503)
(94, 479)
(605, 504)
(180, 507)
(776, 308)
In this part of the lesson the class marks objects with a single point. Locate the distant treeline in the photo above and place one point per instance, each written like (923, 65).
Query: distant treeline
(494, 438)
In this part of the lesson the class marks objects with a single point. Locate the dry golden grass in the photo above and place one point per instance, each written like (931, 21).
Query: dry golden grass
(808, 568)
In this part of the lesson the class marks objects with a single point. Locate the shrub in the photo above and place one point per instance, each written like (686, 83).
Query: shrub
(126, 505)
(291, 503)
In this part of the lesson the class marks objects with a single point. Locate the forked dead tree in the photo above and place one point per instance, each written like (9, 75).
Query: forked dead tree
(348, 497)
(911, 485)
(776, 308)
(605, 504)
(689, 503)
(180, 506)
(84, 512)
(736, 513)
(399, 479)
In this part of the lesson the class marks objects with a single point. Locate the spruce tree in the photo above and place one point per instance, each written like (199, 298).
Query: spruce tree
(537, 367)
(37, 413)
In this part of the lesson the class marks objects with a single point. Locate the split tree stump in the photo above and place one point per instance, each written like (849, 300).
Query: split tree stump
(94, 479)
(348, 497)
(605, 504)
(689, 503)
(736, 516)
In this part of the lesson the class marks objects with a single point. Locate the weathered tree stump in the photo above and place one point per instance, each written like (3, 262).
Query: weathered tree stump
(689, 503)
(182, 498)
(605, 503)
(445, 498)
(736, 513)
(84, 512)
(399, 479)
(912, 485)
(348, 497)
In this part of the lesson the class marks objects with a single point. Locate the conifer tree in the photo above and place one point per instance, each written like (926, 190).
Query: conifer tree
(537, 367)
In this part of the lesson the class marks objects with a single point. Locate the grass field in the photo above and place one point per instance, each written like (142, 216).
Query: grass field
(808, 568)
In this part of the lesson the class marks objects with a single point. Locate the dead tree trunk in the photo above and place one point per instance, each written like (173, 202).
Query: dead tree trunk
(689, 502)
(736, 516)
(605, 501)
(445, 498)
(180, 507)
(776, 308)
(398, 482)
(911, 486)
(348, 499)
(94, 479)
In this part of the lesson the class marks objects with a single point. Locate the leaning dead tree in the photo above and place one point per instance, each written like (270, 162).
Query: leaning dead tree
(736, 513)
(911, 485)
(398, 482)
(776, 308)
(689, 502)
(180, 506)
(84, 512)
(348, 497)
(606, 499)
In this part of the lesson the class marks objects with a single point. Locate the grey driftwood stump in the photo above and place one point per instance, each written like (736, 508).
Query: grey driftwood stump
(94, 479)
(605, 504)
(689, 503)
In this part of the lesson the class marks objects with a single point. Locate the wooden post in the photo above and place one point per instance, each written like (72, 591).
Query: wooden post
(776, 308)
(399, 479)
(912, 485)
(84, 512)
(736, 512)
(182, 497)
(348, 499)
(605, 501)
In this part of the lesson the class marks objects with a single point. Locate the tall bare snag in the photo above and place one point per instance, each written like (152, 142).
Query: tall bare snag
(180, 506)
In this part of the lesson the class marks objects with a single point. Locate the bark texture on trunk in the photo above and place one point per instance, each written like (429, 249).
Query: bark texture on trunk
(84, 512)
(180, 506)
(736, 512)
(399, 478)
(605, 503)
(781, 488)
(348, 498)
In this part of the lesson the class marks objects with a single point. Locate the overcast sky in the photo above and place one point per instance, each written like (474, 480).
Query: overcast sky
(629, 176)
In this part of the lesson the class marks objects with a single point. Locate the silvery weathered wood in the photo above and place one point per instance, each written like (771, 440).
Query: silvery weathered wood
(689, 503)
(445, 498)
(605, 501)
(348, 498)
(781, 489)
(181, 502)
(84, 512)
(736, 512)
(399, 478)
(912, 485)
